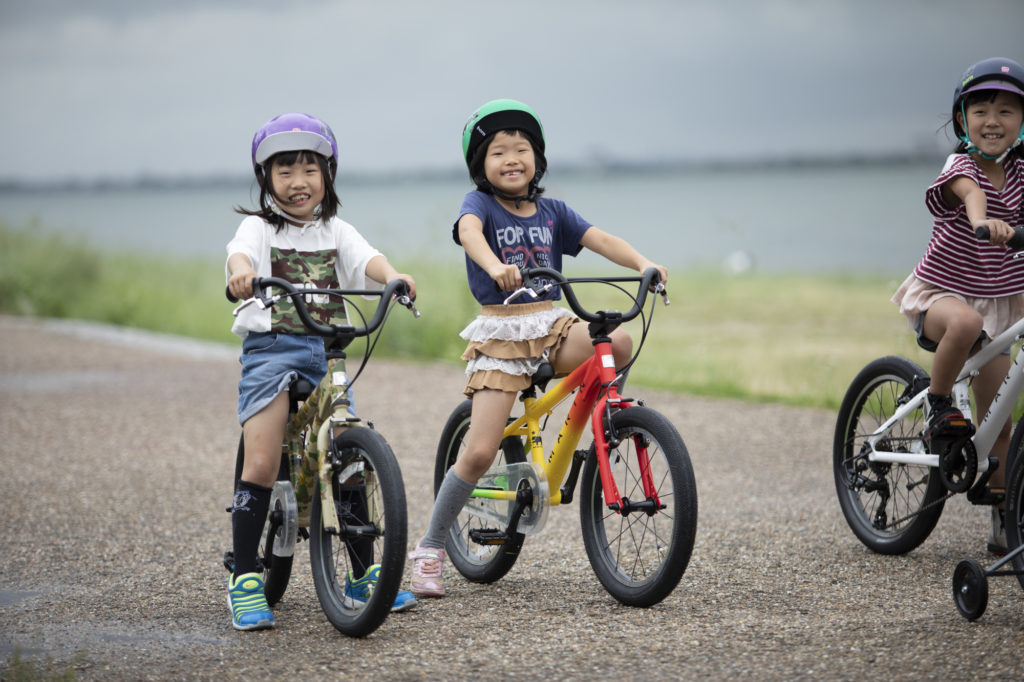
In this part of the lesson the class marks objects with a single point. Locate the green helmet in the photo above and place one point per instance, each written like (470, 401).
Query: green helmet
(500, 114)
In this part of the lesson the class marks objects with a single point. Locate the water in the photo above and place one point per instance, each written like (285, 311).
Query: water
(861, 219)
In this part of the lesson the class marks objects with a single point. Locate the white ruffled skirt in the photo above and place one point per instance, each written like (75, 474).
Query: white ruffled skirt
(508, 343)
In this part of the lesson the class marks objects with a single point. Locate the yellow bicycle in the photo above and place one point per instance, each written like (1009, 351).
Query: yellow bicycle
(638, 497)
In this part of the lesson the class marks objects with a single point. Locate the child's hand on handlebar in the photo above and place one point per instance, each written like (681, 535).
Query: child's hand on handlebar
(240, 283)
(507, 277)
(999, 232)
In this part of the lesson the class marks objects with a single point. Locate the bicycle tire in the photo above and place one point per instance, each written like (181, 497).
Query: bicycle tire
(477, 563)
(640, 557)
(1015, 511)
(374, 501)
(891, 508)
(277, 570)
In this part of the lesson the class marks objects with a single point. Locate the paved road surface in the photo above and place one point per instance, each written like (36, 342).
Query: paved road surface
(117, 454)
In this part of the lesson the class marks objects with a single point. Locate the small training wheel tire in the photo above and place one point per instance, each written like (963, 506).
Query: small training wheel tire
(970, 589)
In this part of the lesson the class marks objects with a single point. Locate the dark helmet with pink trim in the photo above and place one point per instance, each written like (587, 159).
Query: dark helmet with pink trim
(291, 133)
(997, 73)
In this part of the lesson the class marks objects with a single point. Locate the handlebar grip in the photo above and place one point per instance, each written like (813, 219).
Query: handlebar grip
(229, 295)
(1016, 241)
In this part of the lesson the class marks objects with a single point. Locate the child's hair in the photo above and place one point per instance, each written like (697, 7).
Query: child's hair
(269, 210)
(476, 164)
(285, 140)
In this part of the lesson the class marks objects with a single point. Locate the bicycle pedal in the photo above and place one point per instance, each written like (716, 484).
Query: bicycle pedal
(488, 536)
(229, 561)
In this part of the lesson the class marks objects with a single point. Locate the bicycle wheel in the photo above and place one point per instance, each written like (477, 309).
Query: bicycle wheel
(640, 556)
(277, 570)
(1015, 512)
(476, 562)
(369, 500)
(891, 508)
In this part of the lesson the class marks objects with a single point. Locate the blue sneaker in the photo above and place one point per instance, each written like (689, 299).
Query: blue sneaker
(249, 610)
(357, 592)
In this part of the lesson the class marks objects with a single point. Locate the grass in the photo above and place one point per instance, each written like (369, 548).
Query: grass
(797, 339)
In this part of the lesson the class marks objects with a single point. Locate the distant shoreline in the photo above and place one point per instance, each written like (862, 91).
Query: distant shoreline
(604, 167)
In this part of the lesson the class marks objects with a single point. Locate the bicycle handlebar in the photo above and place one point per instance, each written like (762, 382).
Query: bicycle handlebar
(650, 279)
(397, 288)
(1016, 241)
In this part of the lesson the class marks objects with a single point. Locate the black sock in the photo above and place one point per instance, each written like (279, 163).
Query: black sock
(248, 516)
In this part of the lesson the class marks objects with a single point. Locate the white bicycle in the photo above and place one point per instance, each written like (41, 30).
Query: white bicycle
(892, 489)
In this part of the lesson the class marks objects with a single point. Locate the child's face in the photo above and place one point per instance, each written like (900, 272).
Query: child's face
(994, 126)
(510, 164)
(299, 187)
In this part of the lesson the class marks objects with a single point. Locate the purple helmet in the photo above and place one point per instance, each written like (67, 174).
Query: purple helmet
(294, 132)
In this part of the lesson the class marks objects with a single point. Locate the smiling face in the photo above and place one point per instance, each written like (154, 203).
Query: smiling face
(510, 164)
(993, 123)
(298, 187)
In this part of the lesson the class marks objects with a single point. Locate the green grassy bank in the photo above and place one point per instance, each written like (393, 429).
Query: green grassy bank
(796, 339)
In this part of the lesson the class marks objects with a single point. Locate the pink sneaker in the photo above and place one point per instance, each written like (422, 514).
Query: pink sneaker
(427, 580)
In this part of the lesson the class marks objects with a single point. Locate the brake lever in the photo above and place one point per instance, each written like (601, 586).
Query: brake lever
(659, 288)
(258, 300)
(528, 290)
(407, 302)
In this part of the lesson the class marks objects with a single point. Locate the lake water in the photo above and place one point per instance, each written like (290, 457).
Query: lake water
(859, 219)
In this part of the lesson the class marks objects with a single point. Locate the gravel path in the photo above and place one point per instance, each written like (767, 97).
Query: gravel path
(117, 456)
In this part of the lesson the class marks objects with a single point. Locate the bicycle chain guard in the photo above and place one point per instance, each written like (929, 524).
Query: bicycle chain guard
(492, 499)
(282, 499)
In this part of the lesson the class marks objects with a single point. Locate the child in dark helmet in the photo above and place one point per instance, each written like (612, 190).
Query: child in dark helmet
(966, 290)
(504, 225)
(294, 235)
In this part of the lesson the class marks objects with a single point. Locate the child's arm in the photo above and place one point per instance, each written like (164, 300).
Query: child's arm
(380, 270)
(471, 236)
(241, 277)
(619, 251)
(963, 189)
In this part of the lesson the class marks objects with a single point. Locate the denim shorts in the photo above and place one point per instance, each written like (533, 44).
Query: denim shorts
(270, 362)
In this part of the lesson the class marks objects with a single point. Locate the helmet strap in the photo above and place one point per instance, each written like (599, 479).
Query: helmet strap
(292, 219)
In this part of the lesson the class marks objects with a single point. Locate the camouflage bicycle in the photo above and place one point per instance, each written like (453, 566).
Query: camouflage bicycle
(339, 484)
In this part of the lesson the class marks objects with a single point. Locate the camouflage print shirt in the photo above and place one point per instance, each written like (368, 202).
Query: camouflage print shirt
(322, 255)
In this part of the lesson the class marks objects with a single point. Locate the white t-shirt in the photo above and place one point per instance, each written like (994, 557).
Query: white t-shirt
(322, 255)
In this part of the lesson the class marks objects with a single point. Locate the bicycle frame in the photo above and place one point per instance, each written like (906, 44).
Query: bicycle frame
(594, 375)
(998, 412)
(325, 411)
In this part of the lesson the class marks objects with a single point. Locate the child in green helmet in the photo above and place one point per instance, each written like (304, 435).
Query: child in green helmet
(503, 225)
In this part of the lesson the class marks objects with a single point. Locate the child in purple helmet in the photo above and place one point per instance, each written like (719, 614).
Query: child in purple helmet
(296, 235)
(965, 290)
(503, 225)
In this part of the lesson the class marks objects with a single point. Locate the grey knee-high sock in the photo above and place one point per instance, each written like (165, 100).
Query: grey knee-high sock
(451, 497)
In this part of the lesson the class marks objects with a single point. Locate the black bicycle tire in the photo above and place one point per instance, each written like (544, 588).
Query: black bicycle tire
(389, 553)
(1014, 514)
(894, 376)
(457, 546)
(606, 557)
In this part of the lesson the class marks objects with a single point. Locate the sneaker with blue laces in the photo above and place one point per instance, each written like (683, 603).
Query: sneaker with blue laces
(357, 592)
(249, 610)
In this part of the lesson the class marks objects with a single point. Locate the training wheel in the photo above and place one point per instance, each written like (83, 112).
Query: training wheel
(970, 589)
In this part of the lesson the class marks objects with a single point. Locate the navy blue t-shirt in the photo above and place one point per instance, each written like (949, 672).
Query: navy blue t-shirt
(536, 241)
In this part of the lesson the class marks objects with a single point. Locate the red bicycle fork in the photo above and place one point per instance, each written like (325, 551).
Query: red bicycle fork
(599, 379)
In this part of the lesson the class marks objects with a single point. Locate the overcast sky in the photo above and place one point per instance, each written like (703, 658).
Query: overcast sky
(118, 88)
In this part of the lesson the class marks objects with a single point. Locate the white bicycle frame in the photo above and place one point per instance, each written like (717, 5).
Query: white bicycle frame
(998, 412)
